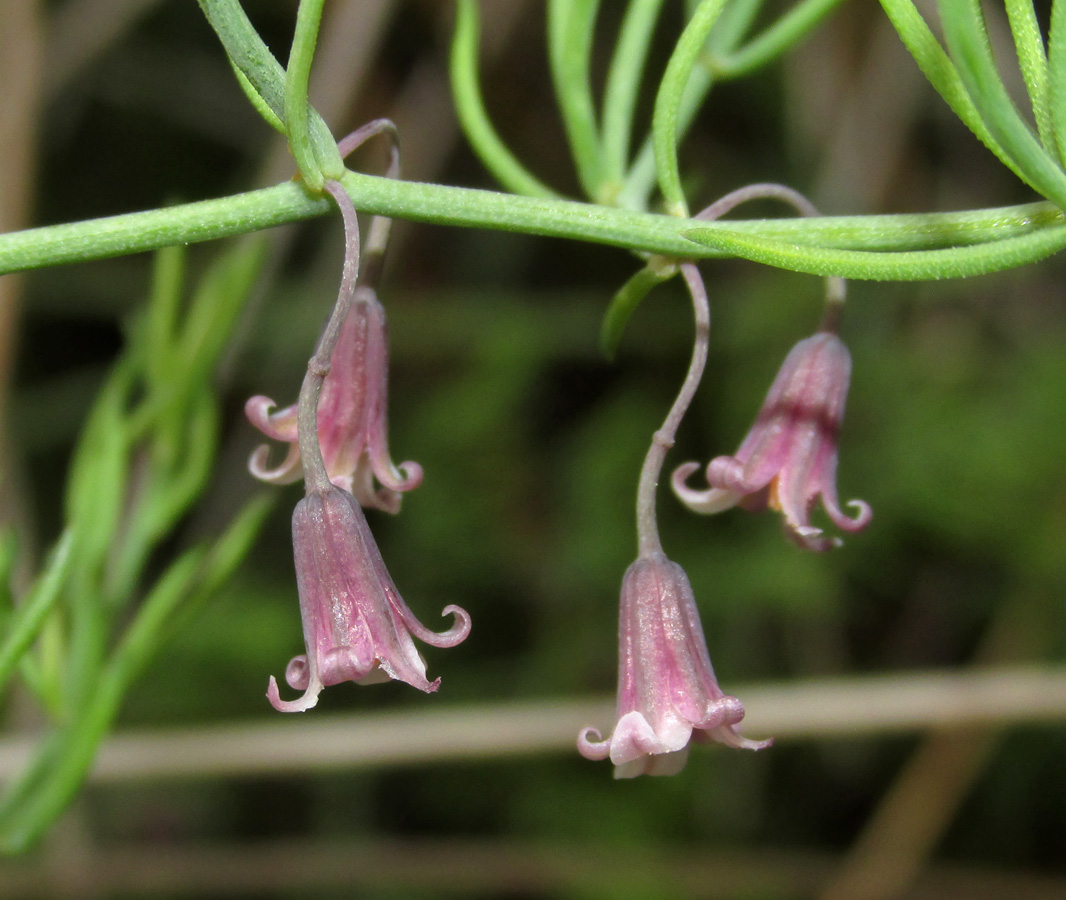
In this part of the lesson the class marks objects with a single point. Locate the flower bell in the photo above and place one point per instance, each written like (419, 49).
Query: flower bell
(666, 684)
(789, 458)
(356, 625)
(352, 416)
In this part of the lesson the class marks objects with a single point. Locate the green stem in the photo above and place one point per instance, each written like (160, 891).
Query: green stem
(663, 440)
(438, 204)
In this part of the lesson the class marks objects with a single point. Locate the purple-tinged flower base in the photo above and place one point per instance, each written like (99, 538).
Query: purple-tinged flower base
(352, 417)
(356, 625)
(789, 458)
(666, 684)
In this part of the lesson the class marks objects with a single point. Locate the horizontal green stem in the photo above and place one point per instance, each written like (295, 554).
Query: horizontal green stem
(441, 205)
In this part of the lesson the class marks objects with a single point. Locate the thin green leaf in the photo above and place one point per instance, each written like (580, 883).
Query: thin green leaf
(1057, 76)
(623, 86)
(470, 108)
(264, 73)
(96, 483)
(42, 793)
(967, 41)
(1032, 60)
(942, 74)
(257, 101)
(914, 265)
(229, 550)
(316, 163)
(787, 31)
(219, 298)
(164, 303)
(23, 821)
(571, 25)
(732, 27)
(29, 617)
(666, 121)
(625, 302)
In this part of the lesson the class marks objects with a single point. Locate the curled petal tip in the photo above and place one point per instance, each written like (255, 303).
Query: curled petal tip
(458, 633)
(709, 501)
(257, 408)
(412, 475)
(862, 517)
(590, 744)
(405, 477)
(728, 735)
(281, 426)
(301, 704)
(289, 471)
(682, 473)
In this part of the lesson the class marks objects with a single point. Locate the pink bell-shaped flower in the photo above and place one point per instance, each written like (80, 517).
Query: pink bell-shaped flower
(666, 685)
(352, 416)
(356, 625)
(789, 458)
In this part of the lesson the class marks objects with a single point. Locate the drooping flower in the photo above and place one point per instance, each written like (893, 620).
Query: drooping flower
(352, 416)
(356, 625)
(789, 458)
(666, 684)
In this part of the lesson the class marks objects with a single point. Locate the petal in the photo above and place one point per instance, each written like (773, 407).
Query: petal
(341, 664)
(863, 512)
(730, 473)
(280, 425)
(593, 749)
(301, 704)
(653, 764)
(863, 515)
(298, 673)
(720, 726)
(408, 475)
(633, 737)
(710, 501)
(458, 633)
(361, 486)
(289, 471)
(728, 735)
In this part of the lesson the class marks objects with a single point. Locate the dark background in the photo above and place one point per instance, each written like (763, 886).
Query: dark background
(531, 443)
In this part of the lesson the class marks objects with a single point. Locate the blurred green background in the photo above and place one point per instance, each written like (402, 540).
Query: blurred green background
(531, 444)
